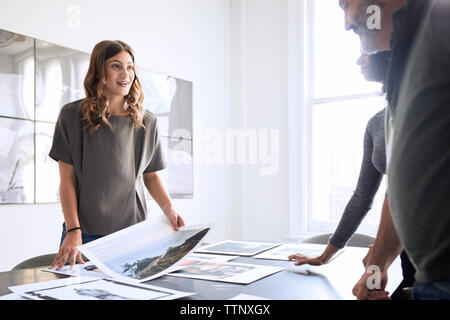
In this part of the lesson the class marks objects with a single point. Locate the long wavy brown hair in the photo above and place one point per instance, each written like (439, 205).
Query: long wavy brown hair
(94, 105)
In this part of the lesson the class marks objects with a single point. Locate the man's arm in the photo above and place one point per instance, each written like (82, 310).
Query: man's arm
(385, 249)
(387, 245)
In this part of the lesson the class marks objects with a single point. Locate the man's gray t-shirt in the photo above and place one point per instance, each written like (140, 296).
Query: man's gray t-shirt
(373, 168)
(109, 165)
(418, 149)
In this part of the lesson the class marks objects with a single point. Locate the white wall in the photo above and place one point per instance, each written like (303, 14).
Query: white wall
(186, 39)
(259, 101)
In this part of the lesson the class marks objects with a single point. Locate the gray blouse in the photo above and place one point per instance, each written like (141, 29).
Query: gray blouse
(372, 170)
(108, 166)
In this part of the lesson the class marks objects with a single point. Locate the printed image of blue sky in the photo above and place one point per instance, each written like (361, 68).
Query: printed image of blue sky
(150, 241)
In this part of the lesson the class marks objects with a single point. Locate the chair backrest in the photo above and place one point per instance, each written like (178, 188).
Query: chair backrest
(361, 240)
(358, 240)
(39, 261)
(318, 239)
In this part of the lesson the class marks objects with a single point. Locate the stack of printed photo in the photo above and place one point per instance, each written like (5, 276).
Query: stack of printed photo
(120, 262)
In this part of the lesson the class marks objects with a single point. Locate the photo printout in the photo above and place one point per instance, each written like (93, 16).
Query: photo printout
(225, 271)
(145, 250)
(241, 248)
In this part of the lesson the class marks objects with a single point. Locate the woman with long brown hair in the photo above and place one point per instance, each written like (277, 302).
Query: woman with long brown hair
(107, 144)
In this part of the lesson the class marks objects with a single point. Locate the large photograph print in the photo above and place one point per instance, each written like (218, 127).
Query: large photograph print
(144, 251)
(224, 271)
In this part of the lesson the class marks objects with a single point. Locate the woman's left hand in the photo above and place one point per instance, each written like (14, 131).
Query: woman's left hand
(175, 219)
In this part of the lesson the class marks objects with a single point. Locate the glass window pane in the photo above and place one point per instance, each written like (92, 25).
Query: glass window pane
(16, 161)
(335, 54)
(338, 132)
(16, 75)
(60, 74)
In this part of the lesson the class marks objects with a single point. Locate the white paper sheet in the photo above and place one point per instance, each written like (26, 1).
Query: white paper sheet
(89, 269)
(241, 248)
(225, 271)
(89, 288)
(244, 296)
(282, 252)
(144, 251)
(12, 296)
(211, 257)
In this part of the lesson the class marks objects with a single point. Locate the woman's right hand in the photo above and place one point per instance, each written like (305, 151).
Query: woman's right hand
(324, 258)
(68, 250)
(301, 259)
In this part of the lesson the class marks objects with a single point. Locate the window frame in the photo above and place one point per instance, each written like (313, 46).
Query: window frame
(301, 206)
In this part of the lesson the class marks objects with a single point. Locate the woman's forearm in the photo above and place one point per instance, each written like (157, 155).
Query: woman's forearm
(156, 189)
(67, 195)
(329, 252)
(367, 186)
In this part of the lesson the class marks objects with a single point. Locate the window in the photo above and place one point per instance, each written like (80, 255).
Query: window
(341, 102)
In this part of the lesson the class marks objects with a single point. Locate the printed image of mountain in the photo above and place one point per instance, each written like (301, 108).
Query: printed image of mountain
(146, 267)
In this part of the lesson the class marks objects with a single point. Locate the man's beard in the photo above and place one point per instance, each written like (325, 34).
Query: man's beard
(367, 39)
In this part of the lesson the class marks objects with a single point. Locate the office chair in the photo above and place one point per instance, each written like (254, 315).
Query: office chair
(358, 240)
(39, 261)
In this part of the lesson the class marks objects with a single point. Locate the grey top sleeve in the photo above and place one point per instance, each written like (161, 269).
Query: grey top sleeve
(60, 149)
(157, 162)
(368, 183)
